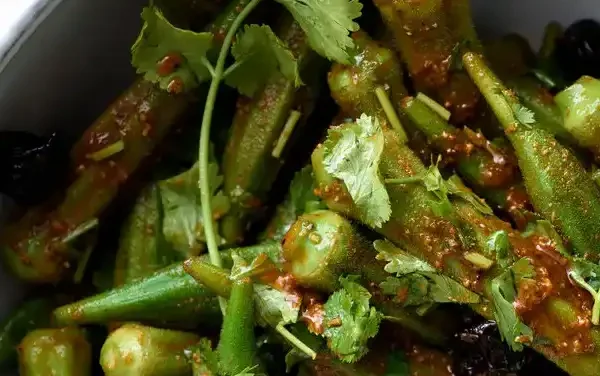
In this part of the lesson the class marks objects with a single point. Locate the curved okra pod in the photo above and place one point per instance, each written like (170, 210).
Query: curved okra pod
(259, 134)
(135, 349)
(55, 352)
(300, 199)
(477, 249)
(237, 349)
(559, 186)
(34, 248)
(579, 107)
(426, 35)
(169, 296)
(142, 248)
(491, 170)
(323, 246)
(31, 315)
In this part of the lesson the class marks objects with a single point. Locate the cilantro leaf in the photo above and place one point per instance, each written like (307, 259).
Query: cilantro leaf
(524, 115)
(504, 294)
(416, 282)
(327, 24)
(350, 321)
(587, 275)
(260, 266)
(160, 41)
(203, 358)
(352, 154)
(499, 245)
(275, 307)
(183, 223)
(397, 364)
(456, 187)
(259, 53)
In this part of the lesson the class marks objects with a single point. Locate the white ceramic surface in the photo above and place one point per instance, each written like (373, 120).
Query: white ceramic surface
(73, 58)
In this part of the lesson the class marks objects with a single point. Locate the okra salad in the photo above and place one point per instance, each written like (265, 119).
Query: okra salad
(317, 187)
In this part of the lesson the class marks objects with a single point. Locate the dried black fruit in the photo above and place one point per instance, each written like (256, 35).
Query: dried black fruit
(578, 51)
(31, 167)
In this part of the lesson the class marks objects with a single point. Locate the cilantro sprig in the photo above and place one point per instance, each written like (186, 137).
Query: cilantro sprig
(587, 275)
(352, 154)
(416, 283)
(504, 294)
(350, 320)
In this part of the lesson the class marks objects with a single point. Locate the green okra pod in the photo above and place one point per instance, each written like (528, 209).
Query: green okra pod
(448, 238)
(578, 105)
(32, 314)
(426, 34)
(104, 157)
(322, 246)
(55, 352)
(559, 186)
(135, 349)
(237, 349)
(489, 169)
(252, 161)
(510, 55)
(168, 297)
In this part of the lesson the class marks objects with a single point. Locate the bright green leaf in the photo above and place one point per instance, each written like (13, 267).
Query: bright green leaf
(159, 39)
(183, 224)
(504, 294)
(416, 282)
(275, 307)
(260, 55)
(352, 154)
(327, 24)
(499, 245)
(203, 358)
(350, 321)
(587, 275)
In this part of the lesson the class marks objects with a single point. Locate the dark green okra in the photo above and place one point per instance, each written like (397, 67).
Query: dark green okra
(559, 186)
(250, 162)
(135, 349)
(46, 352)
(33, 247)
(580, 113)
(322, 246)
(32, 314)
(168, 297)
(489, 169)
(446, 238)
(237, 349)
(510, 55)
(426, 34)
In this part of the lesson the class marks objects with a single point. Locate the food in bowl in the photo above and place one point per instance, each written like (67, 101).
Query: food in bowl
(318, 189)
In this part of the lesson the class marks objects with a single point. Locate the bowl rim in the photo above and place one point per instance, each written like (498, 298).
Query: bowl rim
(24, 28)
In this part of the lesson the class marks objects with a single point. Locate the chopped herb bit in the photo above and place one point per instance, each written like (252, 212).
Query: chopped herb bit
(355, 322)
(107, 152)
(352, 154)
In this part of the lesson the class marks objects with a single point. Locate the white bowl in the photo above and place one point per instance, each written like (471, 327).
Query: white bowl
(63, 61)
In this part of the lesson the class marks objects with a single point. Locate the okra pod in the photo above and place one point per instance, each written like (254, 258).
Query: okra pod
(323, 246)
(135, 349)
(55, 352)
(167, 297)
(251, 162)
(510, 56)
(559, 186)
(105, 156)
(32, 314)
(581, 118)
(237, 349)
(426, 35)
(491, 170)
(552, 307)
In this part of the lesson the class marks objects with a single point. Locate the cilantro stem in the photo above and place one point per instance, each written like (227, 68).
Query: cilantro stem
(411, 180)
(80, 230)
(208, 66)
(391, 114)
(232, 67)
(288, 128)
(435, 106)
(295, 341)
(596, 309)
(204, 150)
